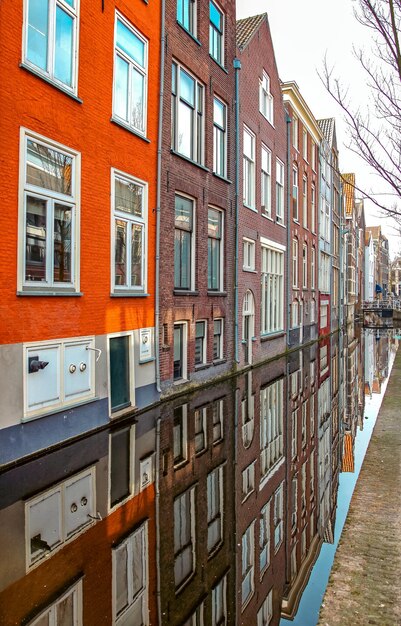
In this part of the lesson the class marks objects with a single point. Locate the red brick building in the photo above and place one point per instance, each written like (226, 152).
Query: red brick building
(262, 232)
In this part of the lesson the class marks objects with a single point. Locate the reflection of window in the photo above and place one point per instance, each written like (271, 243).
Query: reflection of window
(186, 15)
(183, 242)
(200, 430)
(184, 536)
(265, 98)
(214, 250)
(265, 613)
(219, 603)
(51, 40)
(248, 563)
(248, 480)
(271, 426)
(180, 435)
(121, 465)
(219, 137)
(216, 33)
(50, 215)
(66, 608)
(130, 76)
(196, 619)
(130, 578)
(215, 491)
(264, 538)
(278, 513)
(129, 209)
(187, 114)
(218, 415)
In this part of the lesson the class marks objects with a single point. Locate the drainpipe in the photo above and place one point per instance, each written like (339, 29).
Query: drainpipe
(289, 248)
(237, 67)
(158, 196)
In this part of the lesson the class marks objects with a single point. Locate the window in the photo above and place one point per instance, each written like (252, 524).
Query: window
(295, 193)
(295, 263)
(183, 243)
(305, 266)
(51, 40)
(294, 314)
(323, 360)
(313, 155)
(248, 480)
(216, 33)
(248, 563)
(305, 144)
(186, 15)
(265, 613)
(249, 169)
(271, 427)
(265, 98)
(313, 208)
(196, 619)
(50, 215)
(219, 603)
(264, 538)
(279, 191)
(129, 228)
(184, 536)
(248, 247)
(266, 182)
(180, 435)
(272, 278)
(303, 422)
(121, 465)
(215, 507)
(294, 433)
(219, 138)
(278, 512)
(217, 339)
(130, 579)
(323, 316)
(305, 202)
(200, 343)
(214, 250)
(313, 268)
(187, 114)
(295, 131)
(180, 350)
(200, 431)
(313, 311)
(218, 416)
(130, 76)
(294, 503)
(120, 372)
(66, 608)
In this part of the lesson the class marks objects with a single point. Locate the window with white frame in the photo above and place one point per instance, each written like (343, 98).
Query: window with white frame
(200, 343)
(180, 435)
(50, 224)
(295, 263)
(248, 247)
(51, 40)
(130, 76)
(217, 339)
(265, 613)
(272, 279)
(186, 15)
(324, 272)
(294, 502)
(249, 168)
(279, 191)
(266, 181)
(305, 266)
(248, 563)
(324, 316)
(121, 465)
(294, 433)
(313, 208)
(305, 202)
(264, 538)
(183, 242)
(248, 480)
(184, 536)
(218, 418)
(265, 97)
(323, 360)
(278, 516)
(303, 422)
(295, 131)
(215, 507)
(295, 214)
(121, 371)
(131, 579)
(216, 33)
(313, 311)
(327, 221)
(219, 603)
(66, 609)
(305, 144)
(313, 155)
(294, 314)
(214, 250)
(271, 427)
(219, 138)
(187, 130)
(129, 233)
(313, 268)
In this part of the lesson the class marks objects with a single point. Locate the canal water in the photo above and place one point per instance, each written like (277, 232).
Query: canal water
(224, 506)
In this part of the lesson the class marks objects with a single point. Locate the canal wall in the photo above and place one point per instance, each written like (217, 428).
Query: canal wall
(365, 582)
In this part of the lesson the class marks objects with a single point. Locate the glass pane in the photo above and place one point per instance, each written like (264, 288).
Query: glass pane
(137, 563)
(35, 261)
(64, 47)
(187, 88)
(48, 168)
(119, 372)
(130, 43)
(128, 197)
(183, 213)
(185, 130)
(215, 16)
(65, 611)
(137, 100)
(121, 88)
(214, 223)
(120, 257)
(120, 466)
(62, 243)
(38, 32)
(121, 578)
(136, 255)
(218, 113)
(200, 329)
(178, 360)
(43, 621)
(217, 327)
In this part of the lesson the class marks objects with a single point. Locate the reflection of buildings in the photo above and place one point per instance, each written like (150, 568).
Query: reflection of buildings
(382, 261)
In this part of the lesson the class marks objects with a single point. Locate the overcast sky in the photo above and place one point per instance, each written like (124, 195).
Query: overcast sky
(303, 33)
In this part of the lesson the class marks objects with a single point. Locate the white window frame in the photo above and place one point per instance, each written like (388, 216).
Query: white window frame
(219, 601)
(249, 253)
(178, 550)
(220, 339)
(266, 102)
(197, 147)
(278, 516)
(295, 132)
(265, 613)
(248, 563)
(313, 155)
(295, 252)
(272, 292)
(248, 174)
(304, 201)
(305, 266)
(313, 208)
(248, 481)
(184, 325)
(204, 342)
(130, 335)
(279, 191)
(271, 429)
(219, 140)
(183, 436)
(51, 611)
(220, 281)
(131, 477)
(305, 144)
(266, 181)
(313, 267)
(191, 6)
(132, 65)
(220, 34)
(200, 430)
(191, 285)
(51, 197)
(130, 220)
(295, 314)
(49, 72)
(295, 194)
(218, 421)
(215, 517)
(264, 538)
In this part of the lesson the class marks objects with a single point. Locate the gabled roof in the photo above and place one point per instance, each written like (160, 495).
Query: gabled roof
(247, 27)
(349, 193)
(327, 126)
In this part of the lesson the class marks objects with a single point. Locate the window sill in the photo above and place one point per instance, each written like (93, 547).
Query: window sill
(281, 224)
(265, 215)
(249, 270)
(41, 292)
(150, 360)
(58, 409)
(251, 208)
(226, 180)
(129, 294)
(120, 123)
(189, 33)
(202, 366)
(219, 362)
(179, 292)
(185, 158)
(219, 64)
(49, 81)
(275, 335)
(267, 119)
(217, 293)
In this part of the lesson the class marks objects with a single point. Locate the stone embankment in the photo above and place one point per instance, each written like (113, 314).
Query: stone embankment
(365, 582)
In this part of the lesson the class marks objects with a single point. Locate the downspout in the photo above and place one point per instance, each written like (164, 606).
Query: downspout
(158, 196)
(289, 249)
(237, 67)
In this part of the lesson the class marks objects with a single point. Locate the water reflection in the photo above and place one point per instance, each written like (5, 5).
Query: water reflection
(209, 510)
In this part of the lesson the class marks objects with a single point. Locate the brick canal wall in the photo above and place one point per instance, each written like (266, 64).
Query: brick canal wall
(365, 583)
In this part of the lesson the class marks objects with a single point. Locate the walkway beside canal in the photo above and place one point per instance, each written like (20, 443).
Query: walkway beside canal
(365, 582)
